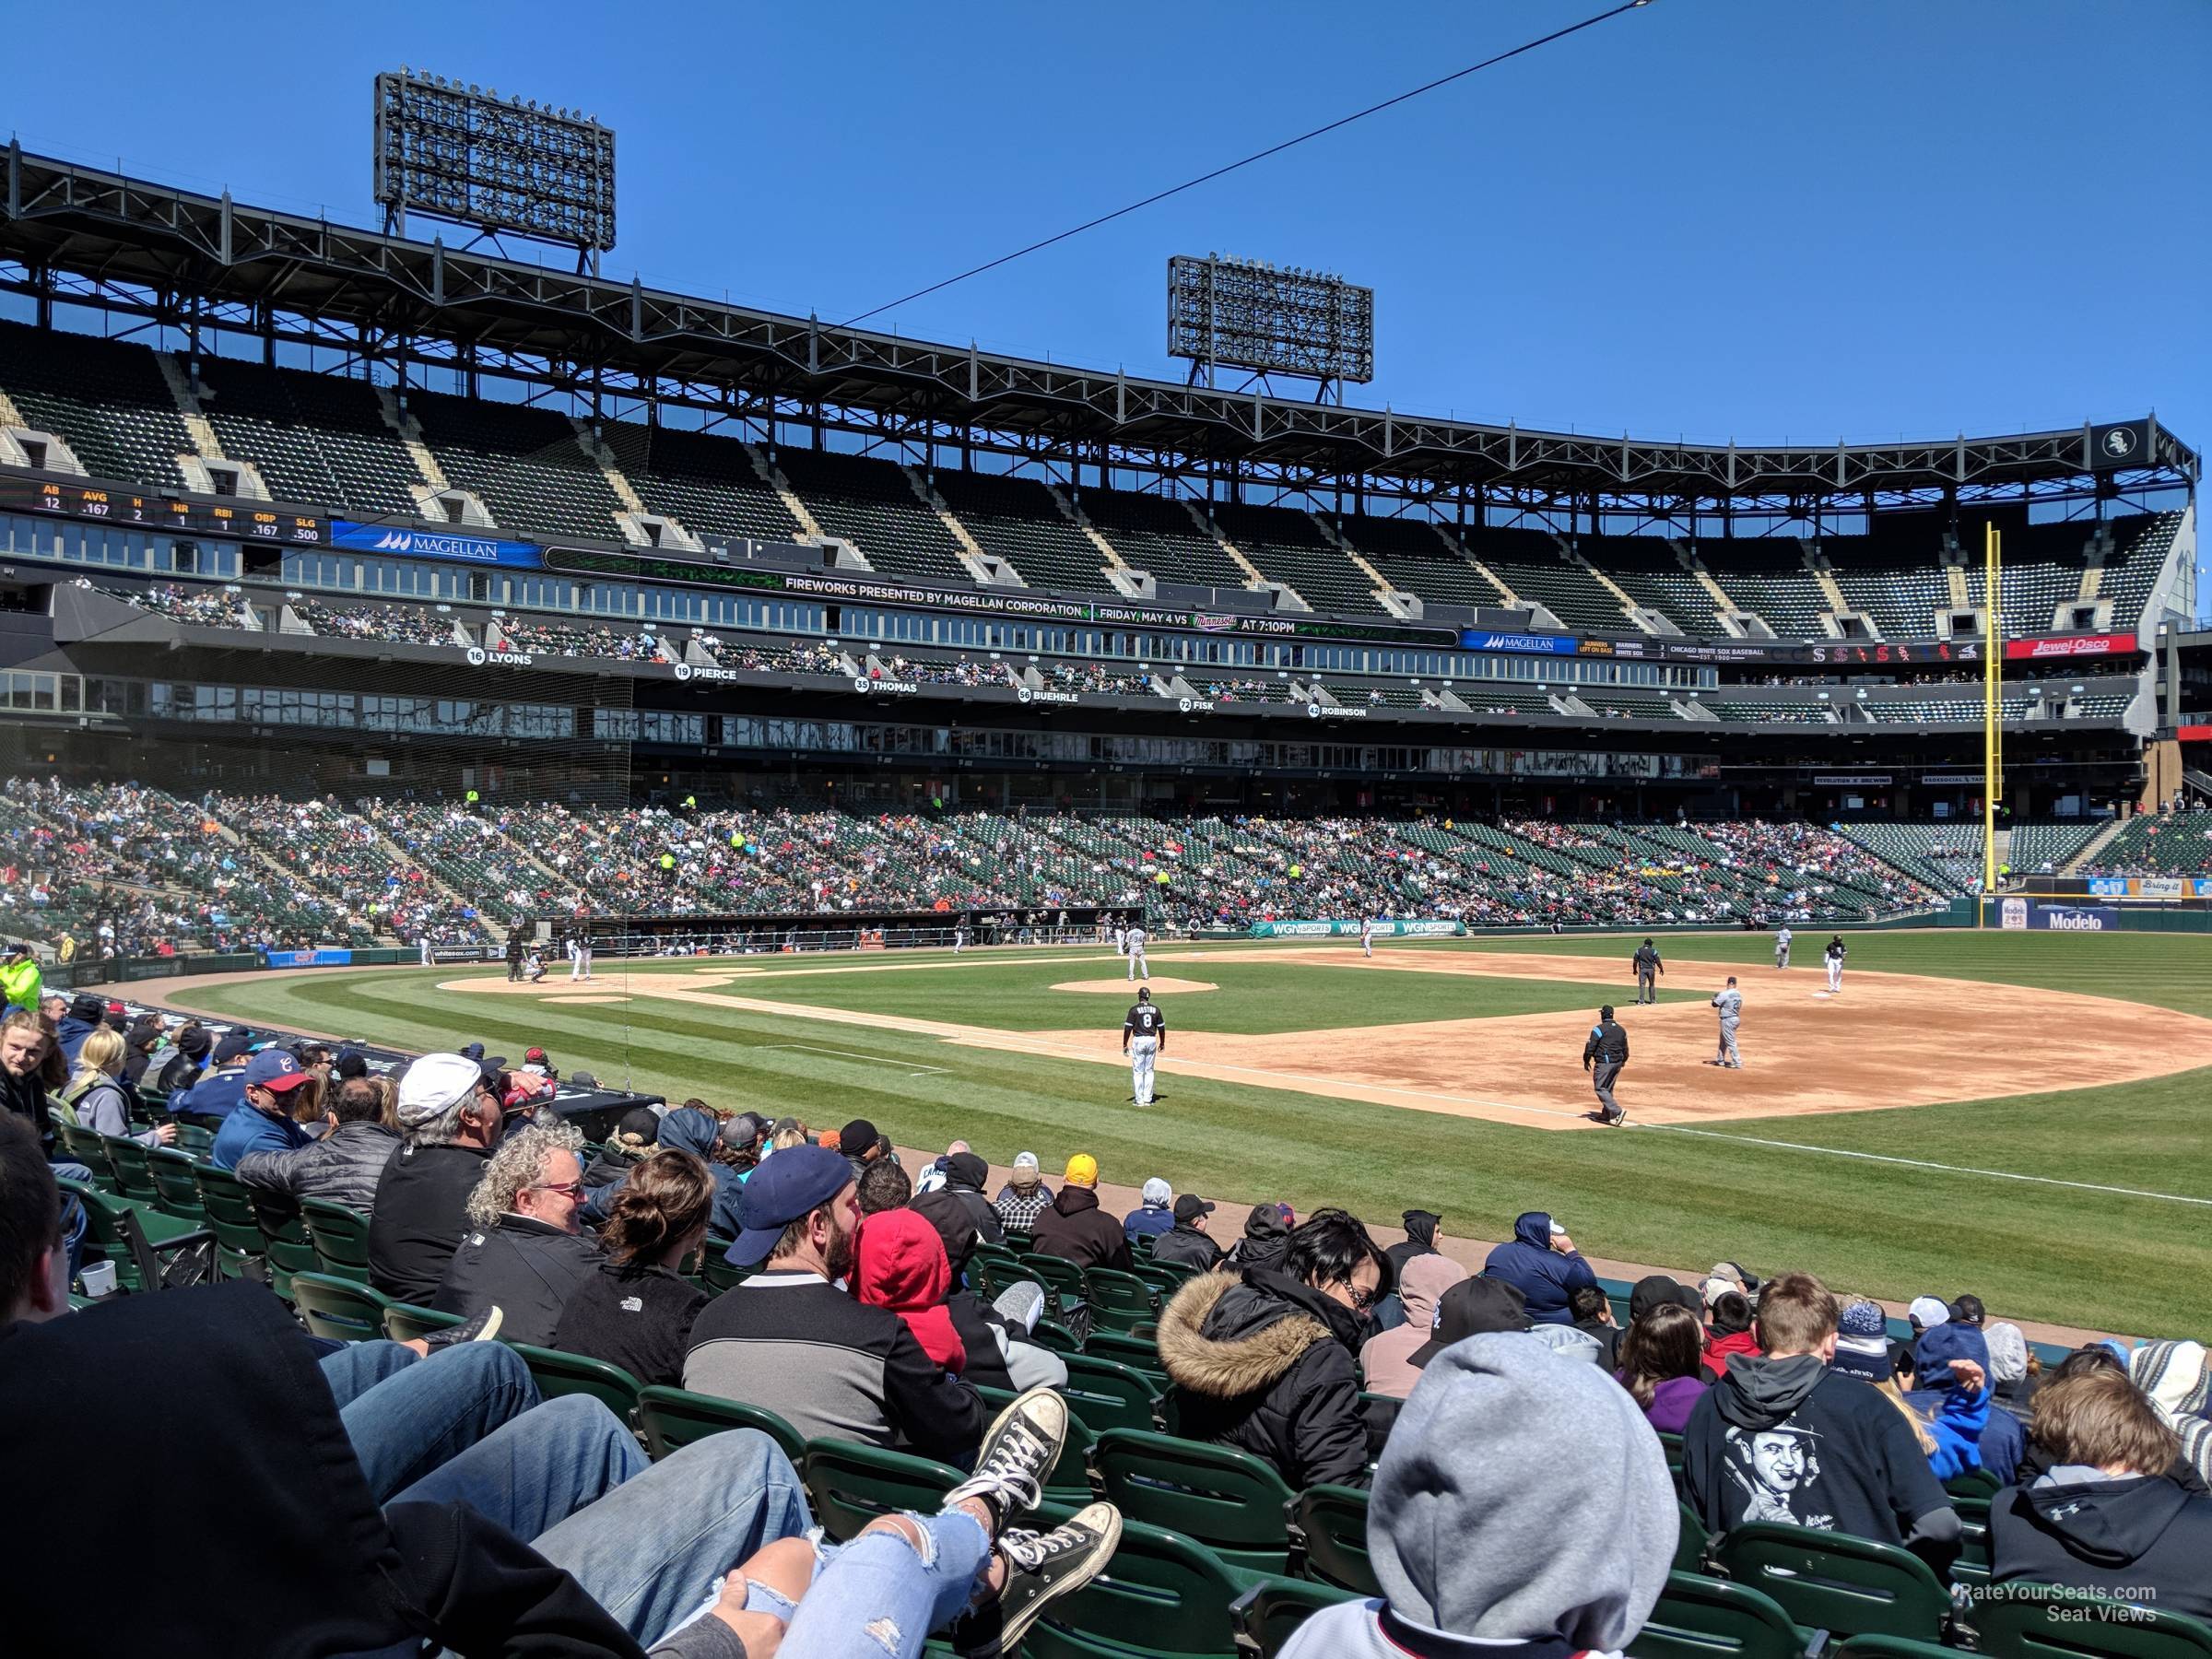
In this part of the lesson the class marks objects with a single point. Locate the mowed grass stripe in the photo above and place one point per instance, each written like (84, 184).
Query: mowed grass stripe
(2034, 1253)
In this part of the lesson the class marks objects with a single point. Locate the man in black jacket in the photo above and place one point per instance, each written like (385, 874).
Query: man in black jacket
(524, 1252)
(2103, 1516)
(1187, 1243)
(1605, 1051)
(789, 1339)
(965, 1176)
(1075, 1228)
(1264, 1362)
(450, 1119)
(1780, 1437)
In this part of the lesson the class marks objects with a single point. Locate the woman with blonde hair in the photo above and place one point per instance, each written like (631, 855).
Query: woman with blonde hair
(97, 1098)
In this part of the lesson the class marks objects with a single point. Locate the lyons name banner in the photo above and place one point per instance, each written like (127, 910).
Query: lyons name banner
(1383, 930)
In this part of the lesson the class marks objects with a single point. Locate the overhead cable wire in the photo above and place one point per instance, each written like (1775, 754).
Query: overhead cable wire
(1257, 156)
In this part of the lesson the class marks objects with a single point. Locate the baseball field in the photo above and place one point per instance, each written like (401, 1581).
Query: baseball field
(2023, 1115)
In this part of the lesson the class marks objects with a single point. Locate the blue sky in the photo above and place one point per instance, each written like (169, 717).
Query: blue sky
(1761, 220)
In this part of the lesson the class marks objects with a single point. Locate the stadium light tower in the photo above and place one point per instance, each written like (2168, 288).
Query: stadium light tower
(512, 164)
(1247, 314)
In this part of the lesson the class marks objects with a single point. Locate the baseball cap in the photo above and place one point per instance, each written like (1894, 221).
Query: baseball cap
(794, 1183)
(1469, 1309)
(351, 1062)
(1605, 1012)
(235, 1045)
(1927, 1311)
(857, 1138)
(194, 1044)
(1025, 1161)
(86, 1006)
(274, 1069)
(1082, 1170)
(1190, 1206)
(474, 1050)
(1158, 1191)
(535, 1057)
(433, 1085)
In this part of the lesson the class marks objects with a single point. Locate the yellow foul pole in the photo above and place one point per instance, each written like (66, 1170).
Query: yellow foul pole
(1993, 708)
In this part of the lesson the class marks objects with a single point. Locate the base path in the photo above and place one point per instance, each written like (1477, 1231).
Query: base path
(1887, 1040)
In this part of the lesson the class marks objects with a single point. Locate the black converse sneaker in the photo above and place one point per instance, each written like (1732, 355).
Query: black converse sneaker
(1040, 1568)
(483, 1327)
(1018, 1451)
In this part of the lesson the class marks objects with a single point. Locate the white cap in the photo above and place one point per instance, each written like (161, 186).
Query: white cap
(1559, 1227)
(1712, 1289)
(1930, 1310)
(1158, 1191)
(1025, 1161)
(432, 1084)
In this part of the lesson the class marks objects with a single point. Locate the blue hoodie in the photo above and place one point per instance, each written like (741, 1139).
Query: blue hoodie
(1541, 1274)
(70, 1032)
(687, 1129)
(1967, 1434)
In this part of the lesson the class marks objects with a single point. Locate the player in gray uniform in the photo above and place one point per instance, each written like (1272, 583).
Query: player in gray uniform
(1144, 1035)
(1603, 1053)
(1781, 946)
(1730, 1002)
(1648, 969)
(1135, 952)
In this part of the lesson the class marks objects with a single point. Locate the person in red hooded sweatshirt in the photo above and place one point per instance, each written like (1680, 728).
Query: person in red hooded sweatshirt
(899, 1262)
(1727, 1324)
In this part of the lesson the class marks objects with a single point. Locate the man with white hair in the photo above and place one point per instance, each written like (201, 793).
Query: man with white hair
(1156, 1215)
(524, 1250)
(450, 1119)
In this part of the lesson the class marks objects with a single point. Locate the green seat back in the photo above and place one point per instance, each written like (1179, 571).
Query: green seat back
(1020, 1243)
(1698, 1618)
(2036, 1621)
(1973, 1565)
(1892, 1647)
(1108, 1395)
(192, 1140)
(285, 1245)
(1328, 1534)
(341, 1310)
(1267, 1615)
(1052, 1334)
(229, 1211)
(557, 1373)
(1690, 1541)
(1119, 1300)
(1138, 1353)
(672, 1418)
(1068, 1480)
(88, 1147)
(130, 1162)
(1829, 1581)
(1225, 1500)
(1972, 1483)
(339, 1236)
(716, 1270)
(403, 1321)
(176, 1187)
(1163, 1594)
(849, 1485)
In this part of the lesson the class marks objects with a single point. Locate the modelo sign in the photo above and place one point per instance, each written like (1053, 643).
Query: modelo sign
(2070, 645)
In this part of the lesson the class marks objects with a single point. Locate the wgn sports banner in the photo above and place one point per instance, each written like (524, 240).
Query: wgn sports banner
(308, 959)
(2019, 913)
(1383, 930)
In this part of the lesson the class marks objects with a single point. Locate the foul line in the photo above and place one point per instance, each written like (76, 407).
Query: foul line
(905, 1065)
(1922, 1163)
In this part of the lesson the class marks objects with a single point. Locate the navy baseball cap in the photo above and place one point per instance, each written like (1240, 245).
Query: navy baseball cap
(277, 1069)
(235, 1045)
(794, 1183)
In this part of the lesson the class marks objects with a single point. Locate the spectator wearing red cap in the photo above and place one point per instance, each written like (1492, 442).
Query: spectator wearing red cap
(265, 1122)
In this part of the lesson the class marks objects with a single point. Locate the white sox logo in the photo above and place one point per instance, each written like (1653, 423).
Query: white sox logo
(2119, 443)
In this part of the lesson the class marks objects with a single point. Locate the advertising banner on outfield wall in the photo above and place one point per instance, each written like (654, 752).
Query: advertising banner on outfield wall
(2071, 645)
(1383, 930)
(308, 959)
(2020, 915)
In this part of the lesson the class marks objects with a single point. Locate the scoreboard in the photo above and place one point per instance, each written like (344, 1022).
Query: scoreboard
(247, 521)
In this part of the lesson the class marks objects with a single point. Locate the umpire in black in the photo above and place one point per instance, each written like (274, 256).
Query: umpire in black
(1604, 1054)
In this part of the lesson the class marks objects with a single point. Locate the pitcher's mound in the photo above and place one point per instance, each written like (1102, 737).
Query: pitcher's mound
(1122, 987)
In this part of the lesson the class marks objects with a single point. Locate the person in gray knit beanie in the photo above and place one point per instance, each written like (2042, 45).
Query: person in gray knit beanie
(1522, 1503)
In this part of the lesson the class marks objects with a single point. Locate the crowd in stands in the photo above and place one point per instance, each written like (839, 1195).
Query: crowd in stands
(203, 607)
(801, 657)
(1509, 1425)
(398, 624)
(593, 639)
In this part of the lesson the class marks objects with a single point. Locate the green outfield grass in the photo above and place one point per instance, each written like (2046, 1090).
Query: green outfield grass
(1747, 1190)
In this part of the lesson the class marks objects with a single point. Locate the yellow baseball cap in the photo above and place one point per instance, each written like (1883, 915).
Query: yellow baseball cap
(1083, 1170)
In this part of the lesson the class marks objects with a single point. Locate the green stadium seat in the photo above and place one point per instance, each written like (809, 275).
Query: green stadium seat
(1690, 1541)
(340, 1237)
(1328, 1538)
(285, 1244)
(1264, 1616)
(717, 1272)
(1108, 1395)
(2040, 1621)
(1973, 1565)
(1020, 1243)
(193, 1139)
(849, 1485)
(134, 1237)
(1831, 1580)
(131, 1164)
(341, 1310)
(405, 1323)
(1698, 1618)
(176, 1185)
(1163, 1596)
(1052, 1334)
(557, 1374)
(672, 1418)
(88, 1147)
(1119, 1300)
(1972, 1483)
(1892, 1647)
(1063, 1282)
(1138, 1353)
(240, 1244)
(1227, 1500)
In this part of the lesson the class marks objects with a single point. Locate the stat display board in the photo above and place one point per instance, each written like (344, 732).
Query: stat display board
(247, 521)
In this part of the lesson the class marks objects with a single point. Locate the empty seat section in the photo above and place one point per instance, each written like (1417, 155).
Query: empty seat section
(1288, 546)
(871, 504)
(1017, 519)
(1771, 581)
(2043, 570)
(706, 483)
(1531, 564)
(2141, 546)
(1893, 575)
(1777, 713)
(1641, 565)
(526, 465)
(104, 398)
(1156, 533)
(2046, 848)
(314, 438)
(1416, 560)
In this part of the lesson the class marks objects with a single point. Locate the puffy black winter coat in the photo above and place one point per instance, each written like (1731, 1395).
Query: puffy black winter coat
(1264, 1364)
(343, 1165)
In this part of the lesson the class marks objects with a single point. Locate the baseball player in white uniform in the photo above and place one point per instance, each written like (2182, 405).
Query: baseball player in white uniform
(1138, 965)
(574, 947)
(1834, 959)
(1120, 939)
(1781, 946)
(1143, 1034)
(1366, 934)
(1730, 1002)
